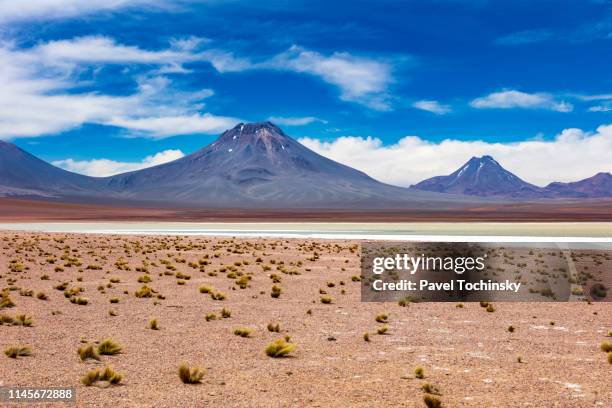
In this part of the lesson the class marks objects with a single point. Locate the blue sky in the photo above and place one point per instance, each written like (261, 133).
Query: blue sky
(102, 88)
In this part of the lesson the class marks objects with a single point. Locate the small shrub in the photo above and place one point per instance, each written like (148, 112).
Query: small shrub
(382, 318)
(490, 308)
(366, 336)
(430, 389)
(18, 351)
(279, 348)
(511, 329)
(144, 279)
(276, 291)
(190, 375)
(383, 330)
(243, 332)
(153, 325)
(108, 375)
(79, 300)
(206, 289)
(419, 372)
(326, 300)
(114, 300)
(112, 312)
(610, 357)
(226, 313)
(432, 401)
(274, 328)
(459, 305)
(217, 295)
(88, 352)
(108, 347)
(606, 347)
(210, 316)
(144, 292)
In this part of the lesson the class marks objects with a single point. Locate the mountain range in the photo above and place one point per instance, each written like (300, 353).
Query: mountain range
(256, 165)
(485, 177)
(250, 166)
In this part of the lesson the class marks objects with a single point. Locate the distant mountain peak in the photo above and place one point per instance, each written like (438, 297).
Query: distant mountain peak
(480, 176)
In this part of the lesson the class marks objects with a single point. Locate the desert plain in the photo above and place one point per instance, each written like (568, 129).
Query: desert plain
(219, 302)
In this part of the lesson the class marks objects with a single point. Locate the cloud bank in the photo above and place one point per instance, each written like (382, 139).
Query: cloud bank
(106, 167)
(572, 155)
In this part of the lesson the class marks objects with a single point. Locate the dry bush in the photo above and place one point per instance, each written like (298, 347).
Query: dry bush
(279, 348)
(18, 351)
(190, 375)
(108, 347)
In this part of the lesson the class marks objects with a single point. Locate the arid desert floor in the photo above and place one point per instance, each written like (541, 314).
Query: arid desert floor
(80, 289)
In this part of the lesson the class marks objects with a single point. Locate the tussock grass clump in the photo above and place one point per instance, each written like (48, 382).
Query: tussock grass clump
(243, 332)
(217, 296)
(144, 279)
(419, 372)
(382, 318)
(112, 312)
(326, 300)
(430, 389)
(459, 306)
(432, 401)
(511, 329)
(276, 291)
(144, 292)
(382, 330)
(274, 328)
(279, 348)
(190, 375)
(210, 316)
(108, 375)
(206, 289)
(490, 308)
(610, 357)
(226, 313)
(606, 347)
(153, 324)
(18, 320)
(79, 300)
(88, 352)
(5, 300)
(114, 300)
(42, 296)
(108, 347)
(366, 336)
(18, 351)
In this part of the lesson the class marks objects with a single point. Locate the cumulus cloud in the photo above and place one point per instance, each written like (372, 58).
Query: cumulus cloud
(294, 121)
(572, 155)
(509, 99)
(432, 106)
(106, 167)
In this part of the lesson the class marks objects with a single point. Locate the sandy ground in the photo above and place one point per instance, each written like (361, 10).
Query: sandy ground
(467, 353)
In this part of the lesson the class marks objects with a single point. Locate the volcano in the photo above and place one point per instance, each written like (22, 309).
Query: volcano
(258, 165)
(22, 174)
(484, 177)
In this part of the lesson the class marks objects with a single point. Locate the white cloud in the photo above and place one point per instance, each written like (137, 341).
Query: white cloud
(361, 80)
(106, 167)
(38, 95)
(574, 154)
(20, 11)
(508, 99)
(601, 108)
(432, 106)
(294, 121)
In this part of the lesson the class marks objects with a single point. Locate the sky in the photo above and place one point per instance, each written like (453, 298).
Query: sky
(403, 90)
